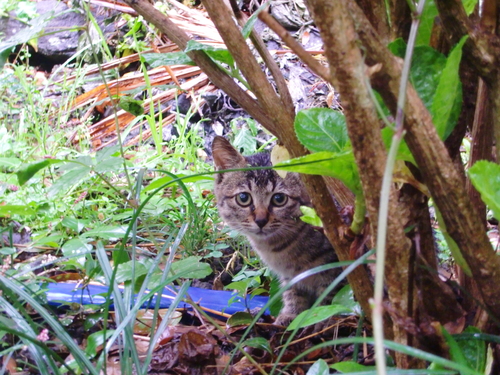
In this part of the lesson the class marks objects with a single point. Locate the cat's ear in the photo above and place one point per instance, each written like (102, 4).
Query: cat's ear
(225, 155)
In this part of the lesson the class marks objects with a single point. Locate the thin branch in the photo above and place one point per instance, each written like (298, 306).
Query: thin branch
(273, 67)
(216, 75)
(295, 46)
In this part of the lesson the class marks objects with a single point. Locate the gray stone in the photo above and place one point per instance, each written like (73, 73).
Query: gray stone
(63, 27)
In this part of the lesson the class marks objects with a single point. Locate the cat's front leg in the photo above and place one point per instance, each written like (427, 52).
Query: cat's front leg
(294, 302)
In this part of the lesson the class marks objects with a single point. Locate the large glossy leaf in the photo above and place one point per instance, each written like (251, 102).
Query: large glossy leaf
(447, 101)
(485, 177)
(321, 129)
(425, 72)
(337, 165)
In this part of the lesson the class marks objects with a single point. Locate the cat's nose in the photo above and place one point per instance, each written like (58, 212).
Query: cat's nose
(261, 222)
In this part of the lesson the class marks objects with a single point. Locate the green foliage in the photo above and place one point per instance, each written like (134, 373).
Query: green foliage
(485, 176)
(320, 367)
(337, 165)
(309, 216)
(321, 129)
(452, 245)
(131, 105)
(426, 23)
(172, 58)
(436, 80)
(474, 351)
(244, 131)
(348, 367)
(316, 315)
(469, 6)
(447, 102)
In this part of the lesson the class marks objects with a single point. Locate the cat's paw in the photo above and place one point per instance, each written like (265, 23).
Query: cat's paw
(284, 319)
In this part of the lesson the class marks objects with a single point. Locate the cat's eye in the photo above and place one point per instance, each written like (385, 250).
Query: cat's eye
(244, 199)
(279, 199)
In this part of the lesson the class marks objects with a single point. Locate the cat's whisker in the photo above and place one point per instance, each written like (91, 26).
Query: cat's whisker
(264, 207)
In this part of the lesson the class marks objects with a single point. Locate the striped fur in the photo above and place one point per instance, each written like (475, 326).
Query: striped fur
(283, 241)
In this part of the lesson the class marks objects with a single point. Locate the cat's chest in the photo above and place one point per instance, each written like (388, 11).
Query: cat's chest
(286, 263)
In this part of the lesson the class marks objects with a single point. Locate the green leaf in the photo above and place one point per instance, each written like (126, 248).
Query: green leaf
(163, 180)
(349, 366)
(455, 351)
(321, 129)
(69, 179)
(485, 176)
(316, 315)
(24, 175)
(240, 318)
(447, 102)
(452, 245)
(404, 152)
(398, 47)
(345, 297)
(217, 54)
(425, 73)
(124, 272)
(74, 224)
(13, 209)
(337, 165)
(106, 232)
(244, 142)
(171, 58)
(310, 216)
(247, 29)
(258, 343)
(76, 249)
(10, 162)
(131, 105)
(426, 23)
(469, 6)
(96, 340)
(320, 367)
(190, 268)
(474, 351)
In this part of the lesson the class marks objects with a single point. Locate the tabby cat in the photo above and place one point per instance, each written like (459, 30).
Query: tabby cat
(266, 209)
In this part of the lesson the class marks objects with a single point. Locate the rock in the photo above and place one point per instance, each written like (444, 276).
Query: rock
(64, 27)
(62, 45)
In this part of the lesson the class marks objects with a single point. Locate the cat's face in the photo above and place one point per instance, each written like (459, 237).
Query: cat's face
(259, 204)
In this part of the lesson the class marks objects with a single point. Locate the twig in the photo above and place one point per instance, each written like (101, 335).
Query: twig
(295, 46)
(261, 48)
